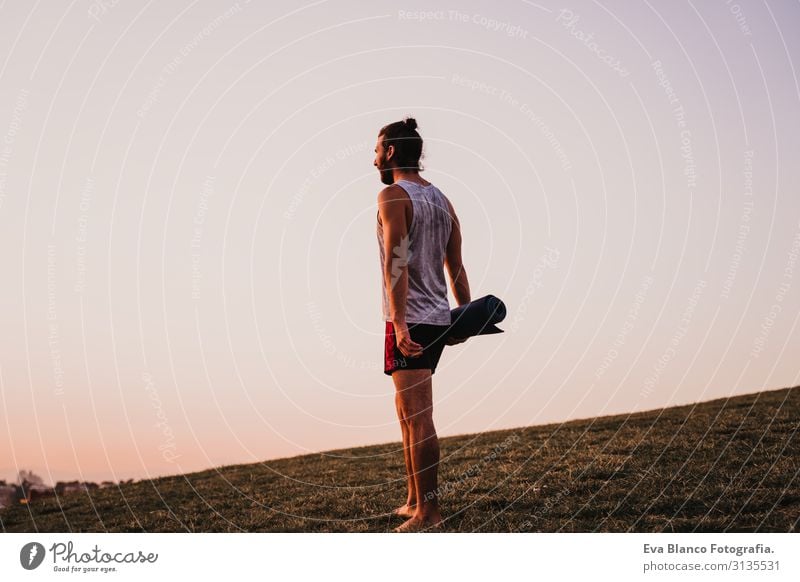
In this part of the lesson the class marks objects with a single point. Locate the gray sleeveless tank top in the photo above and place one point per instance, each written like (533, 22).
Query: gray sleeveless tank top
(423, 253)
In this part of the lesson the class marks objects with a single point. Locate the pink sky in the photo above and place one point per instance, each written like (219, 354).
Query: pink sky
(187, 206)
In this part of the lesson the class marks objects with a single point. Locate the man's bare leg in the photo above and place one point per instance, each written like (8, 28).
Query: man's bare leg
(414, 389)
(410, 506)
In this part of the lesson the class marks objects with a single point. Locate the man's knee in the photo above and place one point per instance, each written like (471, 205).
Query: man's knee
(416, 408)
(420, 421)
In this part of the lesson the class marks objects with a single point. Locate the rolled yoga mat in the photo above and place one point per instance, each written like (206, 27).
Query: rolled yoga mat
(477, 317)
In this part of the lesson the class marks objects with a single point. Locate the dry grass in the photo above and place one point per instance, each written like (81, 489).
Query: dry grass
(729, 465)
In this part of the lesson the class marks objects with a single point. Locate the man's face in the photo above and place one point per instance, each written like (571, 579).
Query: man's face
(382, 157)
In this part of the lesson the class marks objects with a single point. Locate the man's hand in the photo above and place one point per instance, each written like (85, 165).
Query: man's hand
(451, 341)
(405, 344)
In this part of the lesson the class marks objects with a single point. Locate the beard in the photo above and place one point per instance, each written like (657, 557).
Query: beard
(387, 177)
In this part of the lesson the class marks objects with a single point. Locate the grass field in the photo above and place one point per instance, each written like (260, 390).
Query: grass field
(725, 465)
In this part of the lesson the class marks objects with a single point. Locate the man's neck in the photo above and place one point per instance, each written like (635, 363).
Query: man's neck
(398, 175)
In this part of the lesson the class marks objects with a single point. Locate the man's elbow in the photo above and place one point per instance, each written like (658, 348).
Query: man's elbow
(456, 270)
(393, 271)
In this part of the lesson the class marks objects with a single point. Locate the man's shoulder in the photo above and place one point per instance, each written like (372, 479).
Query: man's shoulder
(391, 193)
(450, 208)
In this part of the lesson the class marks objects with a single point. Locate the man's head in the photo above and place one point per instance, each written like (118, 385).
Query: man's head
(399, 147)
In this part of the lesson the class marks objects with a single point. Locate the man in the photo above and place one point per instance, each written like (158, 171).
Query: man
(418, 236)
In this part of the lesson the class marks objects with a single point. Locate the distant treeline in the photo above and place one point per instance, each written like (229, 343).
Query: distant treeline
(30, 487)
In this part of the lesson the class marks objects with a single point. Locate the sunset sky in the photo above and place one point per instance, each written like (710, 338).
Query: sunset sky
(187, 218)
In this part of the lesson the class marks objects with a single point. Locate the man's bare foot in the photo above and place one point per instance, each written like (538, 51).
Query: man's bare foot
(416, 524)
(406, 510)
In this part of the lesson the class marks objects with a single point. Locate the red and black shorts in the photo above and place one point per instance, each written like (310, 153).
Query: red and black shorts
(431, 337)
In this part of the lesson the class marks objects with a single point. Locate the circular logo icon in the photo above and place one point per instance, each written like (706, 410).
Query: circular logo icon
(31, 555)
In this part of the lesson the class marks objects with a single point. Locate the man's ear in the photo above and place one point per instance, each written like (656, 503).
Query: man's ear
(389, 152)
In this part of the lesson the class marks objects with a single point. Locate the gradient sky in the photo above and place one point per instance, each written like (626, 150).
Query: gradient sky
(187, 218)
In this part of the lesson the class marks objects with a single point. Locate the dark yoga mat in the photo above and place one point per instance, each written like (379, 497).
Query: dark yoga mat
(477, 317)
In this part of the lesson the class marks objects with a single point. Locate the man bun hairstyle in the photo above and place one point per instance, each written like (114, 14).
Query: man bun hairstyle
(407, 142)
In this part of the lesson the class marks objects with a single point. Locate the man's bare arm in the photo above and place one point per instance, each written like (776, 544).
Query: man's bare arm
(391, 208)
(395, 245)
(455, 266)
